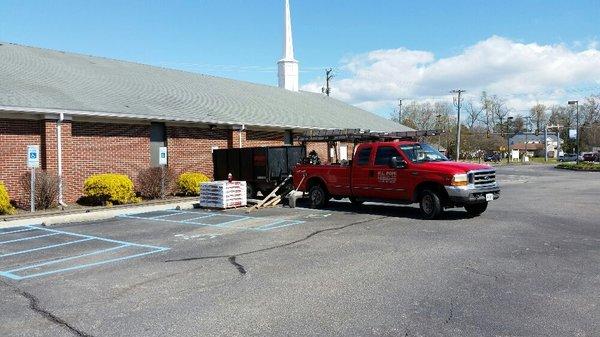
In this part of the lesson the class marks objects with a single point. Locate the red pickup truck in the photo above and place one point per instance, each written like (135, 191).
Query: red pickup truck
(401, 171)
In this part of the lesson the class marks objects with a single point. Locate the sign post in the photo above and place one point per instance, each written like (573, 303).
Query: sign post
(162, 161)
(33, 162)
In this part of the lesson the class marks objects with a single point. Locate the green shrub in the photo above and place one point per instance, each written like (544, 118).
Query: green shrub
(189, 182)
(582, 166)
(110, 188)
(5, 206)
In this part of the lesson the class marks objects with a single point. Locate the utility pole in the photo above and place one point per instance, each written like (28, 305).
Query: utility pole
(459, 92)
(528, 119)
(400, 110)
(546, 143)
(438, 126)
(508, 154)
(328, 76)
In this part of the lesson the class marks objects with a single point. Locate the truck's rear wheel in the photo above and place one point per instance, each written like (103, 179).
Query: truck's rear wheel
(430, 204)
(476, 209)
(318, 196)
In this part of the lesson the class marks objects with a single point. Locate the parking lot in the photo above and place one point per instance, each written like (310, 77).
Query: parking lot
(529, 266)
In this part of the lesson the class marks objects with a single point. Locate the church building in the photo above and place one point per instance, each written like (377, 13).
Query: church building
(92, 115)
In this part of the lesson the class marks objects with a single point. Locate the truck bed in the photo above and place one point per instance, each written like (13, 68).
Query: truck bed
(336, 176)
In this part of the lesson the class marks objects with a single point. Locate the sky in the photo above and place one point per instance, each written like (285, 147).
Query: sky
(523, 51)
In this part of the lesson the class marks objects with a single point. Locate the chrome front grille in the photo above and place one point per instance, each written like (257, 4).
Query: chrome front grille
(483, 178)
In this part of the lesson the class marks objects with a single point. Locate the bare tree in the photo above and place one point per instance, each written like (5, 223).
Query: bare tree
(518, 124)
(474, 113)
(486, 106)
(538, 116)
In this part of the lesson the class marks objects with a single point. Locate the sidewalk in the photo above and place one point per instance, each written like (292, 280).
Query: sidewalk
(93, 213)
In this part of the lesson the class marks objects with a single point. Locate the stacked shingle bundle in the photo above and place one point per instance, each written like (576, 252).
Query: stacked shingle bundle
(223, 194)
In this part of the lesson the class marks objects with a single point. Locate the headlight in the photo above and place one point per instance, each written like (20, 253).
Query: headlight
(460, 180)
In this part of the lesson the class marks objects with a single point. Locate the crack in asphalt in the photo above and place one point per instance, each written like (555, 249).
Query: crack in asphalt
(476, 271)
(34, 305)
(241, 268)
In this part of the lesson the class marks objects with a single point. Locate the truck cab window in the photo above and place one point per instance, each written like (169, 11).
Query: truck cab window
(363, 156)
(384, 155)
(422, 152)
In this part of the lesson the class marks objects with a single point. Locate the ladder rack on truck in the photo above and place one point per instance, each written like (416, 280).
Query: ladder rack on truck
(358, 135)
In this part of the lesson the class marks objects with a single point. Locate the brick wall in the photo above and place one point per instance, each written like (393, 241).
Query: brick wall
(92, 148)
(321, 149)
(190, 149)
(263, 138)
(95, 147)
(15, 135)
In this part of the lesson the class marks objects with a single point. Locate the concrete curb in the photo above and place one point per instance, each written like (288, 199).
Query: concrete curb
(94, 215)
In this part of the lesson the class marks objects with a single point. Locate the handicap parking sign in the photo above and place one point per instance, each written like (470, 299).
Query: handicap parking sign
(33, 156)
(162, 156)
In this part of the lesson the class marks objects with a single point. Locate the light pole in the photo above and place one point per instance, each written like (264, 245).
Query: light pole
(508, 120)
(576, 103)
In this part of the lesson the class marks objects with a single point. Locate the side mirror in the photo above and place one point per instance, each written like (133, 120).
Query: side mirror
(396, 162)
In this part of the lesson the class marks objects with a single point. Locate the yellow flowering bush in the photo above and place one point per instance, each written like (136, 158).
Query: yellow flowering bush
(110, 188)
(189, 182)
(5, 206)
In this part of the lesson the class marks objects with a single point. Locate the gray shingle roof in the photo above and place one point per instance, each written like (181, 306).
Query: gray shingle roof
(47, 79)
(520, 138)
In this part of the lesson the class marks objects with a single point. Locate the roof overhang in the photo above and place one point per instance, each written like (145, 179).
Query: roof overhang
(49, 112)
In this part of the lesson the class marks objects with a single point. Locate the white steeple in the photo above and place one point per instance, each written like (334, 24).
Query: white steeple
(288, 66)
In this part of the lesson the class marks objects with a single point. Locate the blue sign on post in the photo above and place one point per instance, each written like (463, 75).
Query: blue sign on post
(33, 156)
(162, 156)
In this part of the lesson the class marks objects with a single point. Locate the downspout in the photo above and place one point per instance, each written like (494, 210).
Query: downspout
(240, 133)
(61, 118)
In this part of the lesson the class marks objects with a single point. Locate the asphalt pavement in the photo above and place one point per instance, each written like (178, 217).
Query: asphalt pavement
(529, 266)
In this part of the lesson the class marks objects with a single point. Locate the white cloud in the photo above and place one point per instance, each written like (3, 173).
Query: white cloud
(521, 73)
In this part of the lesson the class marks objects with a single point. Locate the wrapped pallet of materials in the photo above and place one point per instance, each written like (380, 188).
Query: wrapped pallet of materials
(223, 194)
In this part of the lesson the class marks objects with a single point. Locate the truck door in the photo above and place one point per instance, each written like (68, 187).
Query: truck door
(361, 169)
(387, 182)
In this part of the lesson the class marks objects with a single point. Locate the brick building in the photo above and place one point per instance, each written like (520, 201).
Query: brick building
(113, 115)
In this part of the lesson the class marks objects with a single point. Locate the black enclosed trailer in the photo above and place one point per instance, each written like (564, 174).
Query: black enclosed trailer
(263, 168)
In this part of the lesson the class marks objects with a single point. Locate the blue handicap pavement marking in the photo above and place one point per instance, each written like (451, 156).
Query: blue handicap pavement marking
(15, 230)
(232, 221)
(40, 233)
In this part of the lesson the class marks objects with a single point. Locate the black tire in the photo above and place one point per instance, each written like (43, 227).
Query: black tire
(318, 196)
(476, 209)
(356, 202)
(430, 204)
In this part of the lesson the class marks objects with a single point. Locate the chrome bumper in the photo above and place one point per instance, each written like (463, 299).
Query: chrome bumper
(460, 195)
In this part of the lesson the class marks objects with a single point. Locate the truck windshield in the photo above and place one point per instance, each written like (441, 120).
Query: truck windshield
(418, 153)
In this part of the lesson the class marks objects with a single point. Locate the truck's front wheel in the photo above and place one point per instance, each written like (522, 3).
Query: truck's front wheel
(476, 209)
(318, 196)
(431, 206)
